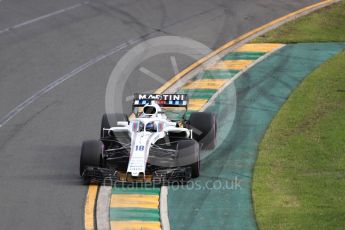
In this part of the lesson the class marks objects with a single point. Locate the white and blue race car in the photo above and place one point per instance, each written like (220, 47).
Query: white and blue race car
(156, 140)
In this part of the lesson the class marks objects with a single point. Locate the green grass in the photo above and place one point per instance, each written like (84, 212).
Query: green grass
(325, 25)
(299, 177)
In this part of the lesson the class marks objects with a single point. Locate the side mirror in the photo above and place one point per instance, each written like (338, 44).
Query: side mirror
(122, 123)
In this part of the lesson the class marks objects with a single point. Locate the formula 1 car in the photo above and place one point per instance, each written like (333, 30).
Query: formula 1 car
(147, 145)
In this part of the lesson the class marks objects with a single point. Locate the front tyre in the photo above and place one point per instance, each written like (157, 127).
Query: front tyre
(91, 155)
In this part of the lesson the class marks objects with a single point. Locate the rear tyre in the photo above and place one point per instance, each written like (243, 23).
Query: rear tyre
(188, 154)
(91, 155)
(204, 126)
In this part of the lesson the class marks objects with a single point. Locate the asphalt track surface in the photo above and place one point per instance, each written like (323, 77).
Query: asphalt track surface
(42, 40)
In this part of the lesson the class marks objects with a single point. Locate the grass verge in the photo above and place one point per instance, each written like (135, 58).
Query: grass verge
(299, 176)
(325, 25)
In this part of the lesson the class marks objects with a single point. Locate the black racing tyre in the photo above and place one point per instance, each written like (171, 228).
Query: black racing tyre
(204, 126)
(91, 154)
(188, 154)
(110, 120)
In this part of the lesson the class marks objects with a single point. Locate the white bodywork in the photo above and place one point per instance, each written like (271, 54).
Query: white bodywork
(142, 139)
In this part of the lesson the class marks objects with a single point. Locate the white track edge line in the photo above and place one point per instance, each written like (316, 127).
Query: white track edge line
(102, 209)
(60, 80)
(238, 75)
(17, 26)
(163, 206)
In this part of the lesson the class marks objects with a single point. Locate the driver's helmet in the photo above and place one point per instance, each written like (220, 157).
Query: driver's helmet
(151, 127)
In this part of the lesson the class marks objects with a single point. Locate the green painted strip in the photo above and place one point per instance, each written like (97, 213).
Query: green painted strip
(132, 190)
(140, 214)
(174, 114)
(171, 115)
(219, 74)
(243, 56)
(198, 93)
(262, 91)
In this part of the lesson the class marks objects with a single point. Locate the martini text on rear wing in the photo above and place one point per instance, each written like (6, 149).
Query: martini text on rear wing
(164, 100)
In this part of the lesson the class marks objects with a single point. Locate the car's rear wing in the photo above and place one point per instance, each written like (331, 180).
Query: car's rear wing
(164, 100)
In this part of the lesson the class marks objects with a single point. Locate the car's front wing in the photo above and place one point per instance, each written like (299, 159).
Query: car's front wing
(107, 176)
